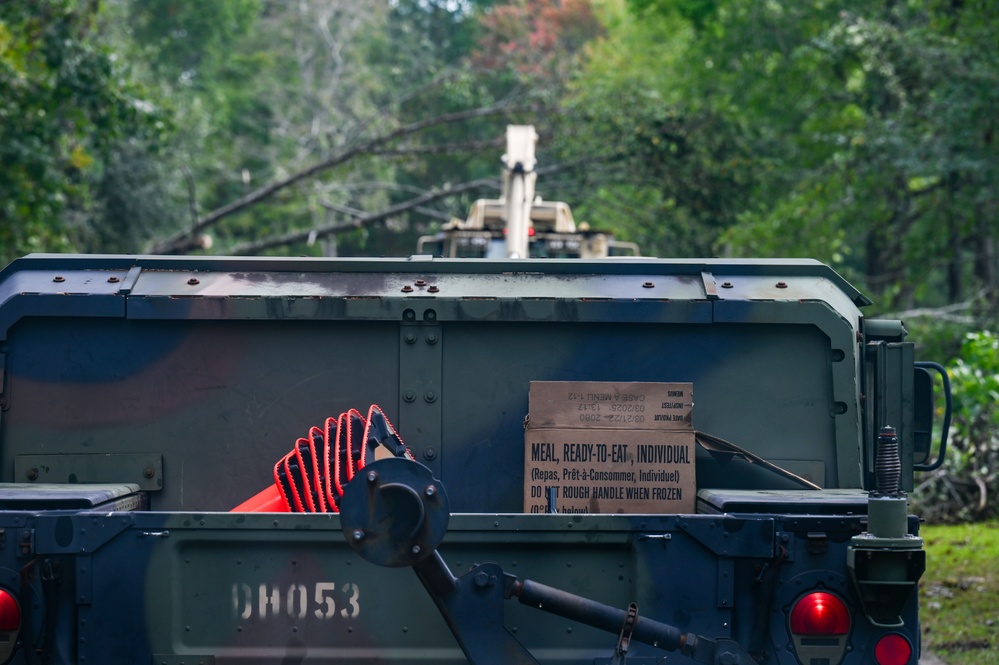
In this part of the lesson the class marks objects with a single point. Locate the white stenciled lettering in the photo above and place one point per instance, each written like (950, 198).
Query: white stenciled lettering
(322, 600)
(270, 599)
(352, 609)
(242, 601)
(297, 601)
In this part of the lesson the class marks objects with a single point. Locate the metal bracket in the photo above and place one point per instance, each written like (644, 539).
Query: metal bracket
(81, 533)
(624, 639)
(710, 286)
(142, 469)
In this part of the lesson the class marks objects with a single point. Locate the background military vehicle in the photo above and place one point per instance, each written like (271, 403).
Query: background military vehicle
(519, 224)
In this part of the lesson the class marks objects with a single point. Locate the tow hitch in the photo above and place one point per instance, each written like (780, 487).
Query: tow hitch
(396, 515)
(885, 562)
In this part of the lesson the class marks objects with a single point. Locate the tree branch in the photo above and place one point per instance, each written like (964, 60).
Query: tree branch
(360, 220)
(181, 239)
(444, 148)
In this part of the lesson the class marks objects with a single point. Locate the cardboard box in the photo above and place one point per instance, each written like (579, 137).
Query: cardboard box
(610, 447)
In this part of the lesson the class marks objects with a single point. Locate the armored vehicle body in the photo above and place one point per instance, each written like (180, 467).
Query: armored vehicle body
(143, 398)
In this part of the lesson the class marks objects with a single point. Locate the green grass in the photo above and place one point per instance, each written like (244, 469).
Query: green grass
(959, 593)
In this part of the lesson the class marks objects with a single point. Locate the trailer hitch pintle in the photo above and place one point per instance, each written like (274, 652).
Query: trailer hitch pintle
(395, 514)
(885, 562)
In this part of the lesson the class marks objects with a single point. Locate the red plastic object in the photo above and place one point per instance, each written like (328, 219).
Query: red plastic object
(266, 501)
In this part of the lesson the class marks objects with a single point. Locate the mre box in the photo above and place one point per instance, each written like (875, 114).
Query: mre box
(610, 447)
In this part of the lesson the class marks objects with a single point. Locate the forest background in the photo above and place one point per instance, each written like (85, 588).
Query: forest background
(859, 132)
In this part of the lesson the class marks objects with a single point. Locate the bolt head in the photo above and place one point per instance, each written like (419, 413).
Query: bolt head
(358, 535)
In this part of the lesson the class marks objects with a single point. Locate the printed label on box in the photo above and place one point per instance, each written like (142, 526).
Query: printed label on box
(606, 464)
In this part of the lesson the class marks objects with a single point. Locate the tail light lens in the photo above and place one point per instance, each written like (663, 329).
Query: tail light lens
(10, 624)
(820, 625)
(10, 612)
(820, 613)
(893, 649)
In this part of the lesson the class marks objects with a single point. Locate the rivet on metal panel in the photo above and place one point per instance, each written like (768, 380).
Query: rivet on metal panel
(409, 396)
(781, 285)
(430, 454)
(193, 281)
(430, 396)
(726, 285)
(420, 282)
(433, 289)
(113, 280)
(410, 338)
(32, 474)
(58, 278)
(432, 338)
(648, 285)
(149, 472)
(407, 289)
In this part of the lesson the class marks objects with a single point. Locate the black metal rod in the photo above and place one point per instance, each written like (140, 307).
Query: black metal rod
(601, 616)
(435, 575)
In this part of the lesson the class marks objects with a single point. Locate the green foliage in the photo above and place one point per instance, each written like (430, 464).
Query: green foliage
(965, 488)
(183, 39)
(658, 166)
(64, 105)
(871, 129)
(857, 132)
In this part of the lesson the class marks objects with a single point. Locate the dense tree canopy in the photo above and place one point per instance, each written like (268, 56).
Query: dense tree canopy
(65, 109)
(858, 132)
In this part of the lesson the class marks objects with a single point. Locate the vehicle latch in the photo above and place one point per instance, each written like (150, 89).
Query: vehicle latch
(817, 542)
(624, 639)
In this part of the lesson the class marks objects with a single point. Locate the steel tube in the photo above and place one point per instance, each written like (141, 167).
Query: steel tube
(601, 616)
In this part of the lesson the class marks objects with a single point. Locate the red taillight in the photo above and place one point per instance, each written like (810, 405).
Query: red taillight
(820, 613)
(10, 612)
(893, 649)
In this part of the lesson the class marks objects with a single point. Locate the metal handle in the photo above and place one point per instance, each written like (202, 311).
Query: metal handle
(947, 411)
